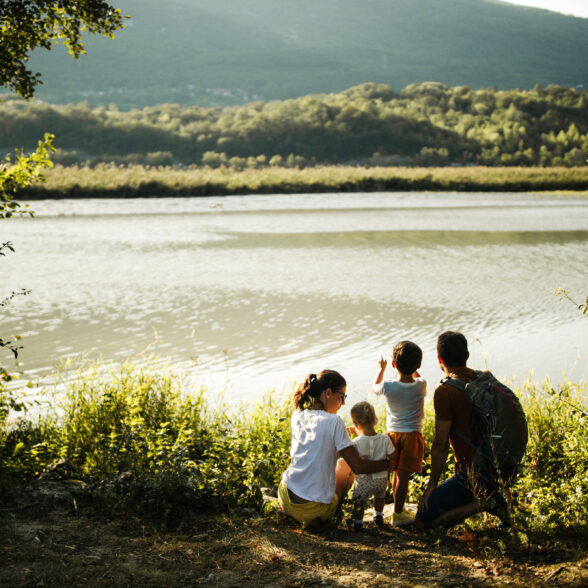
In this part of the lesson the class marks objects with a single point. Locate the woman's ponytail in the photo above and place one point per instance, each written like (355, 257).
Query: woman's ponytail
(309, 392)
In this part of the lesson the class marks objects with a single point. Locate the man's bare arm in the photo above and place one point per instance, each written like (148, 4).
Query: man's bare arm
(439, 452)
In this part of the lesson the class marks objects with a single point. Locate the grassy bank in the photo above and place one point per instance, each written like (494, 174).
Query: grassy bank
(109, 180)
(157, 488)
(144, 443)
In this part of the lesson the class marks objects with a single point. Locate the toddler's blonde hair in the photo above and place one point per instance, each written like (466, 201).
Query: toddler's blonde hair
(363, 413)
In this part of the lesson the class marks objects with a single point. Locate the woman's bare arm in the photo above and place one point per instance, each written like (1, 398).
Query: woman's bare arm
(359, 465)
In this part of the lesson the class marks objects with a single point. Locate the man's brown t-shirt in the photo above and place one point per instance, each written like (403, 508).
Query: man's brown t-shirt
(452, 405)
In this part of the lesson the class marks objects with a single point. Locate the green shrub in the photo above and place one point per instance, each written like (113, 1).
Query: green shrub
(26, 449)
(145, 443)
(552, 490)
(150, 446)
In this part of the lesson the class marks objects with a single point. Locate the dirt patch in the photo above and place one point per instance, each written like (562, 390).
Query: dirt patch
(53, 541)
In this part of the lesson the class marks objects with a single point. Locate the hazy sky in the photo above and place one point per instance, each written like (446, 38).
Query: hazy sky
(574, 7)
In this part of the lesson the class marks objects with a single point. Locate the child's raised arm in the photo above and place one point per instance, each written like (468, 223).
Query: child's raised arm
(382, 363)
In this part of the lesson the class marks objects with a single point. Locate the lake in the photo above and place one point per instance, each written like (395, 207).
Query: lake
(248, 293)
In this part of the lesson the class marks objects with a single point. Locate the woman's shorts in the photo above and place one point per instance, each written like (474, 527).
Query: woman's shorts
(410, 450)
(308, 511)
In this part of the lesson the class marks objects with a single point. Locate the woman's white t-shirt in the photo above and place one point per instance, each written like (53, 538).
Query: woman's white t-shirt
(317, 438)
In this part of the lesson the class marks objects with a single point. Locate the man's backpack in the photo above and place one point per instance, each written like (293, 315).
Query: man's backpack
(502, 425)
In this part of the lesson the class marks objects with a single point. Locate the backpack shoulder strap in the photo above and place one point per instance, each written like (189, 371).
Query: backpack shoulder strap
(464, 438)
(457, 383)
(460, 385)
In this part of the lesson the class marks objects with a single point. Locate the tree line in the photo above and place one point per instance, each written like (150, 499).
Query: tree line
(370, 124)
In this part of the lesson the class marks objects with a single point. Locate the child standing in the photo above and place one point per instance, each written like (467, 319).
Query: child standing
(405, 411)
(373, 446)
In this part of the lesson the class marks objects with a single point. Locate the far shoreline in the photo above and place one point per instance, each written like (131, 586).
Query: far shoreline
(138, 181)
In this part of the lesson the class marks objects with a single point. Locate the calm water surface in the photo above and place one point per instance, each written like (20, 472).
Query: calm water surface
(247, 293)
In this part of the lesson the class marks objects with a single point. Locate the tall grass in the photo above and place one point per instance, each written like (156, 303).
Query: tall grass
(552, 491)
(144, 442)
(110, 180)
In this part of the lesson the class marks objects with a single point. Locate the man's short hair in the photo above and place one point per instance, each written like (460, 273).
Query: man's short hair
(407, 357)
(452, 348)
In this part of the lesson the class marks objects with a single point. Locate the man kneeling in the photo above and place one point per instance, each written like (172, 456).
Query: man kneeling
(464, 494)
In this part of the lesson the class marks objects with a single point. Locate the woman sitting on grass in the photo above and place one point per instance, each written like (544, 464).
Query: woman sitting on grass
(313, 484)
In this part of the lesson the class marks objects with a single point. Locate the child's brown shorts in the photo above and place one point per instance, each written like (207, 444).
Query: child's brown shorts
(410, 450)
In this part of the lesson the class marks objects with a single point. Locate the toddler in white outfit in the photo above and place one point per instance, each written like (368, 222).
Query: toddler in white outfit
(374, 446)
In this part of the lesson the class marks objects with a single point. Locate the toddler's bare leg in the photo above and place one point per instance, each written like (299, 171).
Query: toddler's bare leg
(379, 503)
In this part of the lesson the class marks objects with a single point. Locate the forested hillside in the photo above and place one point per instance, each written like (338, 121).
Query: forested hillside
(231, 52)
(424, 124)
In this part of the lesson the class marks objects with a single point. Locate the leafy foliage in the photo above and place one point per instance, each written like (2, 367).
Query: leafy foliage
(27, 24)
(426, 124)
(17, 176)
(553, 490)
(148, 446)
(14, 177)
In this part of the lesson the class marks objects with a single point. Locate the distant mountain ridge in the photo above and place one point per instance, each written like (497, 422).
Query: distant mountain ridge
(209, 52)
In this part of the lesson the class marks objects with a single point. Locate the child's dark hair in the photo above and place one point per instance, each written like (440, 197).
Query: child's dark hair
(407, 357)
(311, 389)
(364, 414)
(452, 348)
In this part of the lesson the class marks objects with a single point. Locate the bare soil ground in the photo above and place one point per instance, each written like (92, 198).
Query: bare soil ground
(48, 539)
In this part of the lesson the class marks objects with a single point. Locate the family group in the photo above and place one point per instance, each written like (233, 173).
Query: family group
(327, 458)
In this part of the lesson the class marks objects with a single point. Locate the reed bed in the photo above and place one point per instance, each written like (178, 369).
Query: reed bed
(110, 180)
